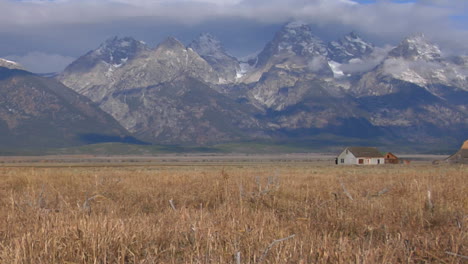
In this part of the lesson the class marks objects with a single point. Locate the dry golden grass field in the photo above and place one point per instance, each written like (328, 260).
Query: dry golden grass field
(233, 212)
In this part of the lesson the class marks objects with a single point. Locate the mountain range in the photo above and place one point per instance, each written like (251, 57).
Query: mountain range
(38, 112)
(297, 88)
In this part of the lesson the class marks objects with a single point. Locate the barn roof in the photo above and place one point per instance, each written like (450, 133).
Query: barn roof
(392, 156)
(463, 153)
(461, 156)
(367, 152)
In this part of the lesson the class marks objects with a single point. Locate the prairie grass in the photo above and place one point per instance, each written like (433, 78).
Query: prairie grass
(238, 213)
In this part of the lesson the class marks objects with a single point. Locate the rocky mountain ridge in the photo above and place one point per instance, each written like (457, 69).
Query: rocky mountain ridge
(211, 49)
(38, 112)
(293, 47)
(349, 47)
(415, 60)
(299, 86)
(153, 96)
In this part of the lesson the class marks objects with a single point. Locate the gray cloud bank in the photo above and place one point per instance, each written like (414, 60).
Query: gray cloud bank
(68, 25)
(368, 63)
(41, 62)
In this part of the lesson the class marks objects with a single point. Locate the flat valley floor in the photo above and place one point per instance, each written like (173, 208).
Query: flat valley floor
(230, 209)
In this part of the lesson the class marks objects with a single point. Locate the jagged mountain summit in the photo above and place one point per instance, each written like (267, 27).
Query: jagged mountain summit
(416, 60)
(297, 87)
(419, 61)
(349, 47)
(417, 47)
(164, 95)
(211, 49)
(293, 47)
(294, 57)
(113, 52)
(140, 66)
(416, 92)
(38, 112)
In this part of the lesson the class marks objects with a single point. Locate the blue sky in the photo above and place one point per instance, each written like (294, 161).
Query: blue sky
(47, 35)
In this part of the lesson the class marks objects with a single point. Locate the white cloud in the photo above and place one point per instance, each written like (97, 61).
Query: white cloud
(384, 20)
(317, 63)
(317, 11)
(40, 62)
(367, 63)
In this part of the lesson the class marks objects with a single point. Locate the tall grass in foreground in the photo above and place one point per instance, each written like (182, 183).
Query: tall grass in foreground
(264, 213)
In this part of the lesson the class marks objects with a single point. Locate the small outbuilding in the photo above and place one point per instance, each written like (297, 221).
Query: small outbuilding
(390, 158)
(461, 157)
(360, 156)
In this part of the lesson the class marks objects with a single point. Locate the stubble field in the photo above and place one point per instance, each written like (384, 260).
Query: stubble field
(233, 212)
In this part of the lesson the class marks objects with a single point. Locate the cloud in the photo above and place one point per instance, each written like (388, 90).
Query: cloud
(383, 18)
(40, 62)
(194, 11)
(71, 27)
(317, 63)
(367, 63)
(419, 71)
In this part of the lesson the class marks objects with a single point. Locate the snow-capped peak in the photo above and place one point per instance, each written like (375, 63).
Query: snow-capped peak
(297, 38)
(423, 45)
(349, 47)
(208, 45)
(354, 38)
(295, 24)
(417, 47)
(296, 28)
(114, 50)
(116, 43)
(419, 61)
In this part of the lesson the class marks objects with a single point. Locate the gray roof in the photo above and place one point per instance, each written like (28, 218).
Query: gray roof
(460, 157)
(365, 152)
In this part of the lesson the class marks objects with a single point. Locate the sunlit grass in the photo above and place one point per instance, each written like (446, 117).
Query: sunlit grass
(225, 214)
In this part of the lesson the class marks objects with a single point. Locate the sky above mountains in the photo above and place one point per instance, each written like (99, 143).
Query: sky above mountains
(46, 35)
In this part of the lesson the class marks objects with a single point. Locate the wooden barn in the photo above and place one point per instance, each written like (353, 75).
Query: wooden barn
(360, 156)
(390, 158)
(461, 157)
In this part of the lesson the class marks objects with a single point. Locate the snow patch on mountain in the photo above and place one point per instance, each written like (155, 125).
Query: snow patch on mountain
(10, 64)
(336, 68)
(425, 73)
(354, 38)
(401, 69)
(418, 61)
(247, 64)
(244, 68)
(297, 38)
(425, 50)
(349, 47)
(117, 50)
(417, 47)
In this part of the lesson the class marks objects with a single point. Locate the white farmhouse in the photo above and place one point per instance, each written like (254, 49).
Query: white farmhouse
(360, 156)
